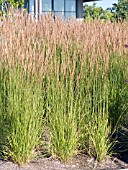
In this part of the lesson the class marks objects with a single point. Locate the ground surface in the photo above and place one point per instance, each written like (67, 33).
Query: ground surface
(80, 162)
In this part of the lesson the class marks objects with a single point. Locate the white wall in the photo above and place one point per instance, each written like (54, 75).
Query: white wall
(80, 9)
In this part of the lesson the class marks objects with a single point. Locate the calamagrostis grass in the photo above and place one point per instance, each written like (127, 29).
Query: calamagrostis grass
(72, 73)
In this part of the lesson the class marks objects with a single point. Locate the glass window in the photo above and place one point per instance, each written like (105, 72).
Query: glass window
(46, 13)
(59, 14)
(64, 8)
(46, 5)
(58, 5)
(70, 5)
(31, 6)
(69, 15)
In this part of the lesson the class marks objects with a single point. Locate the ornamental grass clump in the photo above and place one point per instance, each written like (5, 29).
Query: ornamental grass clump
(70, 75)
(21, 114)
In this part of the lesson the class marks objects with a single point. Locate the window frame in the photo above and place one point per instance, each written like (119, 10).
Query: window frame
(64, 11)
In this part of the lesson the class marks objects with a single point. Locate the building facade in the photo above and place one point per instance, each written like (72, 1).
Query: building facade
(64, 8)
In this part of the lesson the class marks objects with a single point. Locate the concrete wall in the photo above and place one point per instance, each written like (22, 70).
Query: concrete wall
(79, 12)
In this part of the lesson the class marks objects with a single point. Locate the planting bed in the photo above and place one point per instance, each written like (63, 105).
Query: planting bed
(80, 162)
(63, 91)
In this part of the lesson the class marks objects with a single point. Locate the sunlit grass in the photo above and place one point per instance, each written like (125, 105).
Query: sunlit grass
(70, 75)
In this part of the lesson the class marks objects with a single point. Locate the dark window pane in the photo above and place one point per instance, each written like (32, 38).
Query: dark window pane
(70, 5)
(58, 5)
(46, 5)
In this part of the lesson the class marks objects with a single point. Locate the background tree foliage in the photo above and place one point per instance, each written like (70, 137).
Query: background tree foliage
(118, 12)
(6, 4)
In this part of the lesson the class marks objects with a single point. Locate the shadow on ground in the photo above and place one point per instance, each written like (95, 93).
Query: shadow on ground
(121, 146)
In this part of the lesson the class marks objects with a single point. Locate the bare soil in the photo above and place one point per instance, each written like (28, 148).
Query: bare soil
(80, 162)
